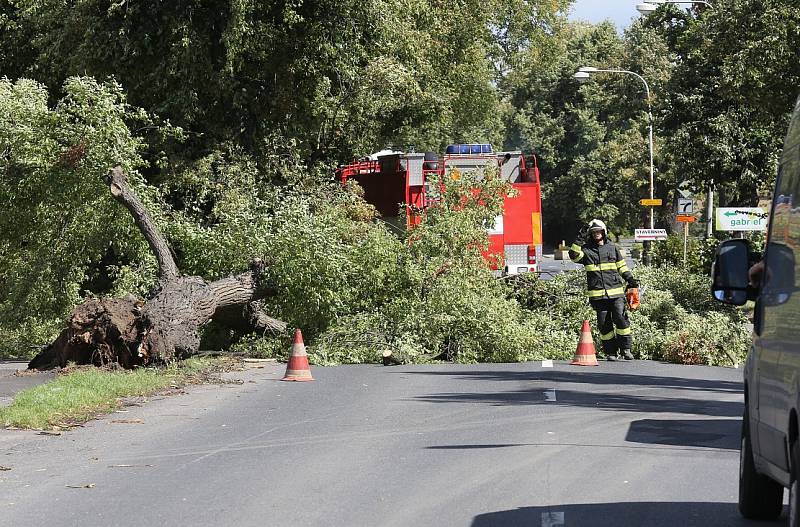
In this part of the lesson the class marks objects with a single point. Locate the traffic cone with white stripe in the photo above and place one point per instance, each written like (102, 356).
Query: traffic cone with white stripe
(585, 354)
(297, 368)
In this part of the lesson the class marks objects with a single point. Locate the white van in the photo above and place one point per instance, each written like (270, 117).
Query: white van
(770, 451)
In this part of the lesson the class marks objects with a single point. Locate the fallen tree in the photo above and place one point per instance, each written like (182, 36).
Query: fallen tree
(166, 325)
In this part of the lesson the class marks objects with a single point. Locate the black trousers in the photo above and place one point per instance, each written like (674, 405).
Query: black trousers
(613, 323)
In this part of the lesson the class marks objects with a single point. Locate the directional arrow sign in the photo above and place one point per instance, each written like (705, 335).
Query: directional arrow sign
(650, 202)
(741, 219)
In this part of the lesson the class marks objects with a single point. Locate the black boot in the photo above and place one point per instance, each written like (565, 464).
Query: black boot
(627, 354)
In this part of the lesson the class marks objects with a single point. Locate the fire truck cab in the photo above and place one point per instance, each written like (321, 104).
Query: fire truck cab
(390, 179)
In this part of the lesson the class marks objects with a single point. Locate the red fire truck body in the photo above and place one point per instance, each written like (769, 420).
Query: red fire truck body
(515, 239)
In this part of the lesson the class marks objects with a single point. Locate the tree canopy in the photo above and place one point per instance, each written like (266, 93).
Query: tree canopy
(723, 82)
(229, 116)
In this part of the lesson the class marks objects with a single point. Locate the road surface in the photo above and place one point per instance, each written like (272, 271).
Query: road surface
(621, 444)
(549, 267)
(14, 378)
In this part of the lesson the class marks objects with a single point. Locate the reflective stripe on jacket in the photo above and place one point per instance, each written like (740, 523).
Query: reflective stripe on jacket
(605, 269)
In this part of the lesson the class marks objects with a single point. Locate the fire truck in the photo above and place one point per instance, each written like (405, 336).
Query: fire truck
(392, 178)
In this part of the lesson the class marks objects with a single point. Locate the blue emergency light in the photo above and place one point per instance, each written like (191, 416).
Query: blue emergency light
(467, 149)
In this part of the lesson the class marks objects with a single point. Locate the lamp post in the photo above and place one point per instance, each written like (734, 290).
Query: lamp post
(645, 9)
(651, 5)
(584, 74)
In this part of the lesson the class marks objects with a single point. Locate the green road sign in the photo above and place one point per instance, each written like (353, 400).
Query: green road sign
(741, 219)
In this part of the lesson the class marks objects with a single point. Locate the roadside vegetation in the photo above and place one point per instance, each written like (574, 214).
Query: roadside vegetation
(229, 133)
(79, 394)
(431, 297)
(677, 322)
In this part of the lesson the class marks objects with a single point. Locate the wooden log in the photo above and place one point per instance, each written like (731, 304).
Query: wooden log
(390, 360)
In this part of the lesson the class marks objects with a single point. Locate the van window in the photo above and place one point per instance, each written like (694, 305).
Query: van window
(789, 184)
(784, 226)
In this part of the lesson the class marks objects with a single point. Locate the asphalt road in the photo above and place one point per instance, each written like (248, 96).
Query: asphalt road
(622, 444)
(14, 378)
(549, 266)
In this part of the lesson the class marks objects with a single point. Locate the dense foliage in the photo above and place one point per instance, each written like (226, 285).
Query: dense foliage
(228, 116)
(58, 220)
(332, 78)
(592, 146)
(357, 289)
(723, 82)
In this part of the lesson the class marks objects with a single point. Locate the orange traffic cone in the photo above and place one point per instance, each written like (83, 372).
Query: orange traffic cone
(585, 355)
(297, 369)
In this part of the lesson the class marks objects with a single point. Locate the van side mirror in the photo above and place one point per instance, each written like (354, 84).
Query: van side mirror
(729, 273)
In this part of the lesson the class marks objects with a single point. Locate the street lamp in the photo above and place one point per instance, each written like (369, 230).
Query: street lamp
(651, 5)
(646, 8)
(585, 73)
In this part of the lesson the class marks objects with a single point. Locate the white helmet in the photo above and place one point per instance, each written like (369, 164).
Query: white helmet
(597, 225)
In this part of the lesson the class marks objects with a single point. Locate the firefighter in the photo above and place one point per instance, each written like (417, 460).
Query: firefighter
(605, 271)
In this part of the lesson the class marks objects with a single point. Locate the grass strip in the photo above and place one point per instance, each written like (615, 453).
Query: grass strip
(80, 394)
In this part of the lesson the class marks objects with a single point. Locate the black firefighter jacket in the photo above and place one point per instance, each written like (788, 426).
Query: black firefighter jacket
(605, 269)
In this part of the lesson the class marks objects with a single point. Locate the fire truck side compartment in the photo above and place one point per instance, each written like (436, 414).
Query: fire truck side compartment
(468, 164)
(386, 189)
(509, 166)
(414, 164)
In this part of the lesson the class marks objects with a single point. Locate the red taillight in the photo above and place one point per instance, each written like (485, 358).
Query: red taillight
(531, 254)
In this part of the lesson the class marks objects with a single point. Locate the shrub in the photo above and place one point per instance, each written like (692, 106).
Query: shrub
(357, 290)
(689, 290)
(700, 252)
(648, 338)
(714, 340)
(670, 253)
(677, 321)
(264, 346)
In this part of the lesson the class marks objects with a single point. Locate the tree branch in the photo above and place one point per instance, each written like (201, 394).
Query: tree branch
(116, 180)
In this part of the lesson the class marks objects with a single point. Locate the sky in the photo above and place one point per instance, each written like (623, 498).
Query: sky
(618, 11)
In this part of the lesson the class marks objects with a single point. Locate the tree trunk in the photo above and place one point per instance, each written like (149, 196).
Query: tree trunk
(389, 359)
(166, 326)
